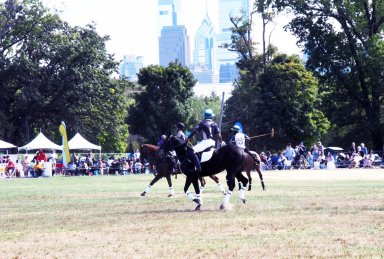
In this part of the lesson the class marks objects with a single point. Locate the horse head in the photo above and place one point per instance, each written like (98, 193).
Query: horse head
(148, 152)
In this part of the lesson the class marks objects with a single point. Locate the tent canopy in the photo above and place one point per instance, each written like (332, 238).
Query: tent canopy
(6, 145)
(79, 142)
(40, 142)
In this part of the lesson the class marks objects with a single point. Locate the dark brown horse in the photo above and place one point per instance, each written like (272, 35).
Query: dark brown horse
(230, 158)
(165, 168)
(250, 165)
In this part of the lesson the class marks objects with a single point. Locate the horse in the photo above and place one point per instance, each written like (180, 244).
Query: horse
(249, 165)
(228, 157)
(164, 166)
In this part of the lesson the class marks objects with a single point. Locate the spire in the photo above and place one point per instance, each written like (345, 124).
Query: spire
(206, 7)
(174, 15)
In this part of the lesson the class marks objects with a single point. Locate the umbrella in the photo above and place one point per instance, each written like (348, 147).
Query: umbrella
(335, 148)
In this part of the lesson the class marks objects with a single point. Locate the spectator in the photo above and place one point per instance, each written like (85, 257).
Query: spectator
(320, 146)
(281, 161)
(355, 160)
(310, 159)
(75, 159)
(11, 168)
(352, 149)
(125, 167)
(368, 160)
(115, 167)
(315, 152)
(330, 161)
(41, 156)
(364, 149)
(72, 168)
(26, 166)
(301, 149)
(38, 168)
(137, 166)
(289, 152)
(321, 159)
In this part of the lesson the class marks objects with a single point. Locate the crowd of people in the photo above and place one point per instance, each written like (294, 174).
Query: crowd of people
(299, 157)
(319, 157)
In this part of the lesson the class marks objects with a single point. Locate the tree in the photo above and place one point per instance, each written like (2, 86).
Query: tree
(52, 72)
(344, 44)
(289, 103)
(164, 101)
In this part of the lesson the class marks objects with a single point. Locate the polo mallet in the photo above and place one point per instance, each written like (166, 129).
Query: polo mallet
(272, 133)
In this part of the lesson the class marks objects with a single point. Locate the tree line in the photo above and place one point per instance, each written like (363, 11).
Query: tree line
(52, 72)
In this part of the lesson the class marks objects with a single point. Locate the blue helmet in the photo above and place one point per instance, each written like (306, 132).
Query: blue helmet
(208, 114)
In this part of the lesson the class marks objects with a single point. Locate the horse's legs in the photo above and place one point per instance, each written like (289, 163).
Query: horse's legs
(202, 182)
(193, 179)
(169, 180)
(244, 181)
(148, 188)
(231, 182)
(216, 179)
(249, 179)
(258, 169)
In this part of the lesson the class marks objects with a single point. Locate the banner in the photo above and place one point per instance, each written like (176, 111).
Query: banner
(63, 132)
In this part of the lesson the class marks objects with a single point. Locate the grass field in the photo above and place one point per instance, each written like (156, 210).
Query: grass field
(301, 214)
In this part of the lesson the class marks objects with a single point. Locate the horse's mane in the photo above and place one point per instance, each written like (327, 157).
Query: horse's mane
(150, 146)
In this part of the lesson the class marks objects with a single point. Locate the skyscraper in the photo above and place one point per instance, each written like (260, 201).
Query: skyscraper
(225, 59)
(205, 44)
(173, 41)
(130, 67)
(174, 45)
(204, 60)
(167, 13)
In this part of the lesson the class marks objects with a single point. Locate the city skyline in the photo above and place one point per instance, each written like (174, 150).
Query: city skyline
(132, 35)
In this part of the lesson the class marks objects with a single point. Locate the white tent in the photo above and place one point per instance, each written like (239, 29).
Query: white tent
(40, 142)
(6, 145)
(79, 142)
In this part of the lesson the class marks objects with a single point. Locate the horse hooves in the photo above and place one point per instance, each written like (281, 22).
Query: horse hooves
(244, 201)
(198, 207)
(142, 194)
(170, 195)
(249, 188)
(222, 207)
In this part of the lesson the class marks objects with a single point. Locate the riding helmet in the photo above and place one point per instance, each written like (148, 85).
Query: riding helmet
(208, 114)
(180, 126)
(235, 128)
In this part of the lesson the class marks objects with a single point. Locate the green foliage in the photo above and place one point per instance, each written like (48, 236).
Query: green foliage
(288, 97)
(163, 102)
(343, 40)
(52, 72)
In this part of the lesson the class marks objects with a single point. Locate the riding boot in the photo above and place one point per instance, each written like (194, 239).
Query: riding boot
(193, 157)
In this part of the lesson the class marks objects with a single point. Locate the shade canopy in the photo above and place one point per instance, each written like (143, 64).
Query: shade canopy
(40, 142)
(6, 145)
(79, 142)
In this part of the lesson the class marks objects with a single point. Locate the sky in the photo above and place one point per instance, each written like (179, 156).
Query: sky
(132, 24)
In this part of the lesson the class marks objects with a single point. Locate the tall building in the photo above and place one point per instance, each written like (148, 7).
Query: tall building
(226, 60)
(167, 13)
(130, 67)
(204, 52)
(174, 42)
(174, 45)
(204, 60)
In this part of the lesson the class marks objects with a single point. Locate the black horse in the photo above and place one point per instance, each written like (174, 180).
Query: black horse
(164, 165)
(229, 157)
